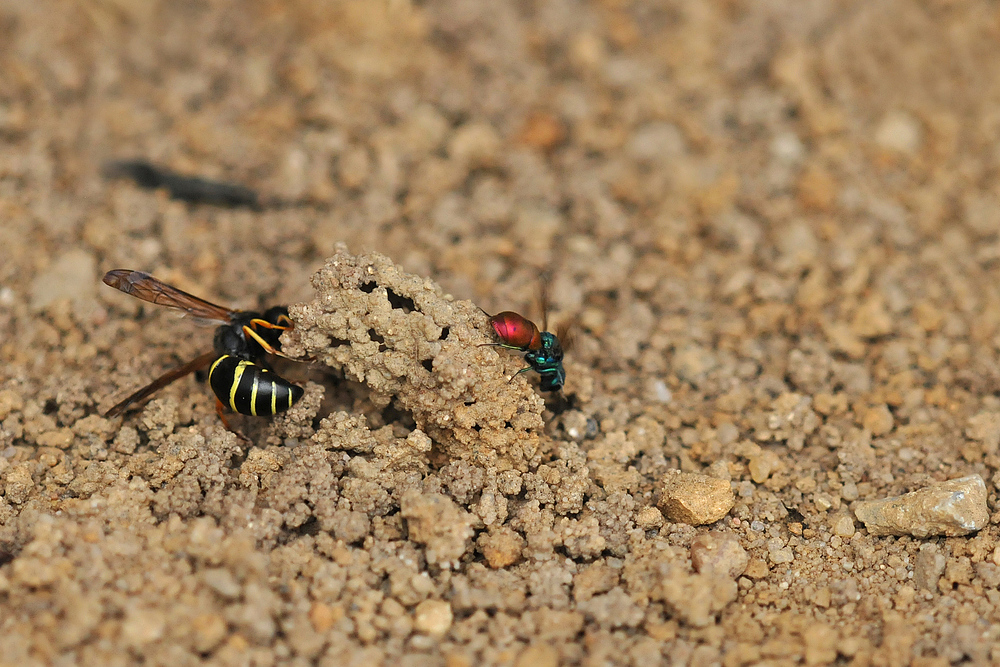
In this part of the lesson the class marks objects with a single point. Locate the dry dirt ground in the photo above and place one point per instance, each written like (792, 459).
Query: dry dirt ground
(771, 228)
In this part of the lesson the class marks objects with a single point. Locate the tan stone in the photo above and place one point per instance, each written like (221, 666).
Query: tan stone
(323, 616)
(719, 552)
(877, 419)
(649, 518)
(872, 319)
(956, 507)
(695, 499)
(843, 525)
(501, 547)
(762, 465)
(433, 617)
(538, 655)
(60, 437)
(756, 569)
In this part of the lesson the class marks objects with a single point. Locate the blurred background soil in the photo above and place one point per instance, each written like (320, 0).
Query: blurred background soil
(771, 226)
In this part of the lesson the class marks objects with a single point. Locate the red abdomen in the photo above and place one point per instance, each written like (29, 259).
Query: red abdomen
(516, 331)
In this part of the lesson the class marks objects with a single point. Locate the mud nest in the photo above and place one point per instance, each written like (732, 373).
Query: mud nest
(424, 353)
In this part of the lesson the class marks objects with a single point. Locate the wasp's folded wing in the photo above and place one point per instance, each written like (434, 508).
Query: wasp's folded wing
(146, 287)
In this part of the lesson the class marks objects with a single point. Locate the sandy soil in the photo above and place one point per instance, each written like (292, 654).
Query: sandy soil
(771, 228)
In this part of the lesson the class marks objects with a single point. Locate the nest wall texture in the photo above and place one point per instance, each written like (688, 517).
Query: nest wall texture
(772, 229)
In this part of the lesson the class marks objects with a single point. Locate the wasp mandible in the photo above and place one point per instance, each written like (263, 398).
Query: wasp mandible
(236, 370)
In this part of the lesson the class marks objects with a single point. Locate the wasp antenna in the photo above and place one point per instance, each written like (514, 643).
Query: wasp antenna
(543, 299)
(566, 333)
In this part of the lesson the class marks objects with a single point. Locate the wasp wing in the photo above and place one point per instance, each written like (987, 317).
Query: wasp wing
(196, 364)
(144, 286)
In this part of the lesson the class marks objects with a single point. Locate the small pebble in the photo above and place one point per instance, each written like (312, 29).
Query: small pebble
(61, 438)
(575, 424)
(981, 214)
(849, 492)
(756, 569)
(806, 484)
(787, 148)
(433, 617)
(983, 427)
(209, 630)
(323, 616)
(475, 145)
(649, 518)
(222, 582)
(761, 465)
(988, 574)
(501, 547)
(143, 626)
(821, 644)
(904, 597)
(727, 433)
(656, 143)
(872, 319)
(542, 130)
(899, 132)
(829, 404)
(781, 556)
(693, 362)
(661, 393)
(10, 401)
(719, 470)
(822, 502)
(437, 522)
(720, 553)
(18, 483)
(877, 419)
(695, 499)
(928, 567)
(952, 508)
(843, 525)
(538, 655)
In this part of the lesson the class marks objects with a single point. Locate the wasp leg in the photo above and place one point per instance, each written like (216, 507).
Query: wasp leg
(270, 349)
(220, 410)
(284, 322)
(508, 347)
(523, 370)
(272, 325)
(195, 364)
(503, 345)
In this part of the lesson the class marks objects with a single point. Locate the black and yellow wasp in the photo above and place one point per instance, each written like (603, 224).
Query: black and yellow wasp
(237, 374)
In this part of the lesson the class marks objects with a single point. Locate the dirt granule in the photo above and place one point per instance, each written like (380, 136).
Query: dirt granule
(772, 230)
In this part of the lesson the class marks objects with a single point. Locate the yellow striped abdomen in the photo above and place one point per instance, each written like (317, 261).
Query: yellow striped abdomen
(249, 388)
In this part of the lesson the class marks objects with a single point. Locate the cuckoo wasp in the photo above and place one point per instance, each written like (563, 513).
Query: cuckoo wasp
(542, 350)
(240, 379)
